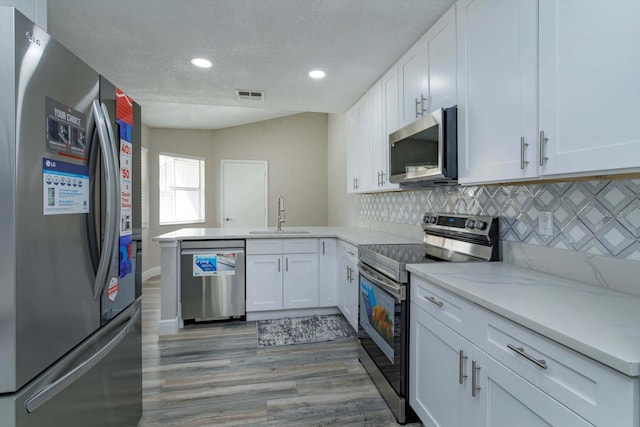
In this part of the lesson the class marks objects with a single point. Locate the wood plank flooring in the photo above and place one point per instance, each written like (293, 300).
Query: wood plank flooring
(215, 375)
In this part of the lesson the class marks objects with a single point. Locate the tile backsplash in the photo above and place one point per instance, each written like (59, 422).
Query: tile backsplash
(599, 217)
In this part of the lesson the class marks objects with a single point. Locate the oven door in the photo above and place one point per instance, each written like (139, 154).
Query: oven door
(383, 328)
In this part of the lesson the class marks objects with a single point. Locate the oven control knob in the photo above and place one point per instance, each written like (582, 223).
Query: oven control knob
(433, 219)
(469, 223)
(481, 225)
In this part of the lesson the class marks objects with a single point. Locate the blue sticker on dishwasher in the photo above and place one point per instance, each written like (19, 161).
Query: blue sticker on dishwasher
(214, 264)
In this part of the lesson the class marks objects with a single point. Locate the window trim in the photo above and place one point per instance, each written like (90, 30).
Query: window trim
(202, 189)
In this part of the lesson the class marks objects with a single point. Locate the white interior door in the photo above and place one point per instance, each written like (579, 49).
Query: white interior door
(244, 193)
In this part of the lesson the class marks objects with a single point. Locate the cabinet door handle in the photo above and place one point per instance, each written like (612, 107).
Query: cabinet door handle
(348, 273)
(422, 109)
(286, 264)
(417, 103)
(357, 183)
(435, 301)
(475, 368)
(520, 350)
(279, 265)
(523, 146)
(461, 374)
(322, 248)
(382, 174)
(543, 141)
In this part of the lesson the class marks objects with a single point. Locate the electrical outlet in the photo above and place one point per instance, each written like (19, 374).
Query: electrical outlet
(545, 224)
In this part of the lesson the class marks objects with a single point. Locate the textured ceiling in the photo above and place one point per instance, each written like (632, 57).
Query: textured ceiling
(144, 47)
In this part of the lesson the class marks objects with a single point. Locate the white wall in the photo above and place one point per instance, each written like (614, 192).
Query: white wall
(36, 10)
(295, 148)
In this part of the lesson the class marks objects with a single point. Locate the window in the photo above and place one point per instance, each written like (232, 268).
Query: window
(144, 188)
(181, 189)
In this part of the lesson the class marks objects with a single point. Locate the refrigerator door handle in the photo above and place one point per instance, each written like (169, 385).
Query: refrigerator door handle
(49, 391)
(111, 187)
(114, 216)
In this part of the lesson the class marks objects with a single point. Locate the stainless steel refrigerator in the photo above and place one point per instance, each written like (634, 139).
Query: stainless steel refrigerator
(70, 253)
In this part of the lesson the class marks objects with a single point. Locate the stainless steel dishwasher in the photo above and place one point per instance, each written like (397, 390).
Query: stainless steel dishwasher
(212, 285)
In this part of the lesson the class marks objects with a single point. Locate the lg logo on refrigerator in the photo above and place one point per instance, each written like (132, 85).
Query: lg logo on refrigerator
(31, 38)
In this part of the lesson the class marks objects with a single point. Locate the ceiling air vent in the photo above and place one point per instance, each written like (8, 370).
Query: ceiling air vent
(249, 95)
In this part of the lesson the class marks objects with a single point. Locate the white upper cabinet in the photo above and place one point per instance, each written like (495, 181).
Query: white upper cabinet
(367, 139)
(497, 111)
(571, 64)
(352, 149)
(365, 169)
(384, 116)
(441, 48)
(391, 122)
(590, 85)
(414, 82)
(428, 71)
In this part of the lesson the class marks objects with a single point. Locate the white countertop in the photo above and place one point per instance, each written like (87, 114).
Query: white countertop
(601, 324)
(353, 235)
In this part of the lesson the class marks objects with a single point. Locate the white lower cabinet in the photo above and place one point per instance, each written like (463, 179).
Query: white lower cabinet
(281, 274)
(505, 399)
(328, 273)
(471, 367)
(300, 281)
(264, 282)
(348, 283)
(435, 393)
(457, 384)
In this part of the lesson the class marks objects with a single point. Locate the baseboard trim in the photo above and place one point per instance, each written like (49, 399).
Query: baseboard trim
(168, 326)
(152, 272)
(279, 314)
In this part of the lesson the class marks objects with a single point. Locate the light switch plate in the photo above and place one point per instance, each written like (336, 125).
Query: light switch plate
(545, 224)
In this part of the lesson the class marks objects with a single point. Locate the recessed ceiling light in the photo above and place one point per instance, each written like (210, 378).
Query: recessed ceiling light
(201, 62)
(317, 74)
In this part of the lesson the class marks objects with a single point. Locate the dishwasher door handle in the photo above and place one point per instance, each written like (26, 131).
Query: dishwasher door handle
(211, 251)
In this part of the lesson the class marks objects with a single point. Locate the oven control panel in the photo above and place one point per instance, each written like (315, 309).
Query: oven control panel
(475, 225)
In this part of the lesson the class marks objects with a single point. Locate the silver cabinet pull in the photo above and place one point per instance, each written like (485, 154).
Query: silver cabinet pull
(475, 368)
(461, 374)
(348, 274)
(520, 350)
(417, 103)
(523, 146)
(543, 141)
(435, 301)
(286, 264)
(422, 99)
(322, 248)
(382, 175)
(279, 265)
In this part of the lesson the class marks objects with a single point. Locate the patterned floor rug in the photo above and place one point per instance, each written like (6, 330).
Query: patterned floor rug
(300, 330)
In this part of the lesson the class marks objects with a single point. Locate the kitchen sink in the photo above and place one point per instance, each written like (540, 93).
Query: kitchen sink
(276, 232)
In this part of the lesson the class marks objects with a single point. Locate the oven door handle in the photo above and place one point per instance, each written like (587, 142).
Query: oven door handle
(399, 292)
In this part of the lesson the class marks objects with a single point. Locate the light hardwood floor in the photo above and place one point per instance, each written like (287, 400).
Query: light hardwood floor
(214, 375)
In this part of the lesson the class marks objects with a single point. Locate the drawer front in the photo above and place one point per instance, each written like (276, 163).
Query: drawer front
(348, 251)
(594, 391)
(300, 246)
(445, 306)
(264, 246)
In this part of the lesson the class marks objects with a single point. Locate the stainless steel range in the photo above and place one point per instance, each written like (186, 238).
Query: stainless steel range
(384, 295)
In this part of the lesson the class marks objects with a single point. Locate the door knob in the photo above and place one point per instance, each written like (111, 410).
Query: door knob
(227, 219)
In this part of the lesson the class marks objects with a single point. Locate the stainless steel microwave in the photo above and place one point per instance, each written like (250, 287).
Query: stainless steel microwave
(426, 151)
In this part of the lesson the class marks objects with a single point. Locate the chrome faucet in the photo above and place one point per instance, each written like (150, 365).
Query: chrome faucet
(281, 217)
